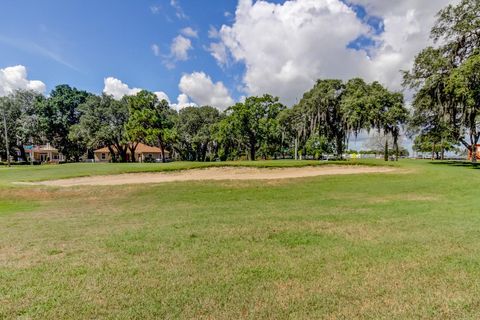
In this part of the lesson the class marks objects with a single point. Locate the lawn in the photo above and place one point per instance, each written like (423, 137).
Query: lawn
(375, 246)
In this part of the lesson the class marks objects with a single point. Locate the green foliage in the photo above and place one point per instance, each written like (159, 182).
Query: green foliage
(255, 125)
(150, 121)
(195, 133)
(102, 124)
(316, 146)
(23, 122)
(58, 113)
(335, 110)
(447, 101)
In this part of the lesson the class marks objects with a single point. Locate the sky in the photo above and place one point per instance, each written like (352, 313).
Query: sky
(215, 52)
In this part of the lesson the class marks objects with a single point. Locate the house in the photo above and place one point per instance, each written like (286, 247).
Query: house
(143, 153)
(44, 153)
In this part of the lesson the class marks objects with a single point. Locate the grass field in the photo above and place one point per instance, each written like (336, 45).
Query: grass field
(376, 246)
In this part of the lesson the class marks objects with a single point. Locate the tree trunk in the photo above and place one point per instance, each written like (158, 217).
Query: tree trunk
(7, 145)
(132, 147)
(395, 143)
(296, 148)
(162, 151)
(252, 152)
(474, 153)
(123, 154)
(433, 151)
(385, 153)
(113, 155)
(23, 154)
(339, 147)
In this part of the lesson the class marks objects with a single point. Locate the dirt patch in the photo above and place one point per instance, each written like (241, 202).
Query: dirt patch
(224, 173)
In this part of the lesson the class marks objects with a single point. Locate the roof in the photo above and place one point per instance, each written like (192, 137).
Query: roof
(45, 148)
(141, 148)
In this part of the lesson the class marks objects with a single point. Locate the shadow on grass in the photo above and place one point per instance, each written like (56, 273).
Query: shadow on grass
(457, 163)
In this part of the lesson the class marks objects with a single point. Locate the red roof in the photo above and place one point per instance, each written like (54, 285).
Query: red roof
(141, 148)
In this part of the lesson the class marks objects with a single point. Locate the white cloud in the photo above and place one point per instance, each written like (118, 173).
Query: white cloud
(183, 101)
(213, 33)
(219, 52)
(200, 88)
(287, 47)
(180, 47)
(118, 89)
(178, 10)
(162, 96)
(178, 51)
(156, 50)
(189, 32)
(15, 78)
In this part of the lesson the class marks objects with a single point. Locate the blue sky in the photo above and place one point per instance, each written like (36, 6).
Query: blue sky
(271, 46)
(81, 42)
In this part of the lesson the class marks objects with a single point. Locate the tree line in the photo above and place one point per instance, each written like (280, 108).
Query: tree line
(77, 122)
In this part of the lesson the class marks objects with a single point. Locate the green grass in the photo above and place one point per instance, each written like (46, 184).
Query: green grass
(401, 245)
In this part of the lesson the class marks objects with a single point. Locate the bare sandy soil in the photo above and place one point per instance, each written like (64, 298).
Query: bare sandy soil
(223, 173)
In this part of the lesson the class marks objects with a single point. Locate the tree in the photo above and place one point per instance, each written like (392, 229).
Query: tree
(195, 132)
(432, 144)
(388, 115)
(103, 123)
(25, 119)
(323, 107)
(378, 140)
(316, 146)
(255, 122)
(58, 114)
(447, 73)
(356, 106)
(150, 121)
(464, 87)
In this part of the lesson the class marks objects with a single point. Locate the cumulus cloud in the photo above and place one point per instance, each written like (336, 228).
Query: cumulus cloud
(286, 47)
(15, 78)
(203, 91)
(119, 89)
(189, 32)
(180, 47)
(183, 101)
(219, 52)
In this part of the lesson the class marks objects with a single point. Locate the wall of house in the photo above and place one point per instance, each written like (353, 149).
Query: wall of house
(105, 158)
(141, 157)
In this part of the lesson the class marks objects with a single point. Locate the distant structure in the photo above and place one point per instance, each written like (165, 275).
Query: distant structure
(43, 154)
(143, 153)
(478, 153)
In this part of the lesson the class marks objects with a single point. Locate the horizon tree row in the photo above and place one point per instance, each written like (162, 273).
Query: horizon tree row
(77, 122)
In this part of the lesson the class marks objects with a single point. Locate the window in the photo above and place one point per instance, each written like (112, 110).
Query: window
(104, 156)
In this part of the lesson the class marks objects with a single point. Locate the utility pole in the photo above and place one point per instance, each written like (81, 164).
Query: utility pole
(6, 134)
